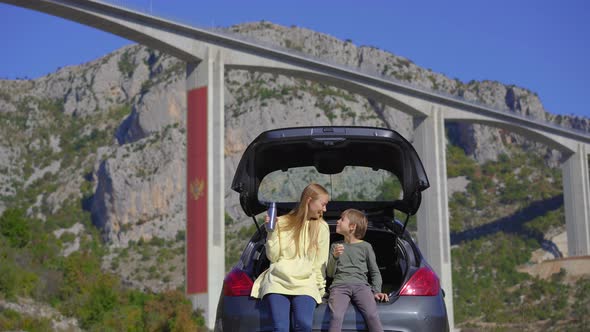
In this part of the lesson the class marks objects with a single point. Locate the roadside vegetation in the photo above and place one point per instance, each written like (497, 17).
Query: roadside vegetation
(489, 292)
(32, 263)
(31, 266)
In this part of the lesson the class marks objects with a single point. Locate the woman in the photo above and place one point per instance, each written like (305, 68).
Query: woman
(298, 252)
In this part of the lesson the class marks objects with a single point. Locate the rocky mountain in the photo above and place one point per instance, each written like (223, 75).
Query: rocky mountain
(111, 133)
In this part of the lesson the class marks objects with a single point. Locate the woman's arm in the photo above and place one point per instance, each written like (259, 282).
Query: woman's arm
(273, 244)
(321, 259)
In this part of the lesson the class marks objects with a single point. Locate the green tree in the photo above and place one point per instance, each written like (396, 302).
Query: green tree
(15, 227)
(170, 311)
(390, 189)
(458, 163)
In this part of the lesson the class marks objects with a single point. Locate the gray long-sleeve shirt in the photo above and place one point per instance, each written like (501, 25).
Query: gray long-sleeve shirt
(354, 265)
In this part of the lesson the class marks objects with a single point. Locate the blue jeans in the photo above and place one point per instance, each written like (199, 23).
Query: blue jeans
(301, 308)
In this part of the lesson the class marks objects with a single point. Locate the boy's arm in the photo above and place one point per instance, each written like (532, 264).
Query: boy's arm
(376, 281)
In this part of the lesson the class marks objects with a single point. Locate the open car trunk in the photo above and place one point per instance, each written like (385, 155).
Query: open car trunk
(329, 151)
(394, 255)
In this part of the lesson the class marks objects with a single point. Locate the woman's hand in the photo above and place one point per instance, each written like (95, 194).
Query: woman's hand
(381, 297)
(266, 218)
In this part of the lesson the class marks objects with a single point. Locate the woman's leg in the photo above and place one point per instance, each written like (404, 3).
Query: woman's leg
(338, 303)
(364, 299)
(280, 309)
(303, 307)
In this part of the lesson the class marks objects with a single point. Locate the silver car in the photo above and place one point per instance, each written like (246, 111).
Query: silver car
(371, 169)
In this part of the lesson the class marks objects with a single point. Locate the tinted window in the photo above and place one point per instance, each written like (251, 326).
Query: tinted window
(354, 183)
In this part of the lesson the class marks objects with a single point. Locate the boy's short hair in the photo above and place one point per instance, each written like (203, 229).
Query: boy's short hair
(359, 219)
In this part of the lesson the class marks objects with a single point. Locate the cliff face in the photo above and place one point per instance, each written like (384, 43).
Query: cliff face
(112, 131)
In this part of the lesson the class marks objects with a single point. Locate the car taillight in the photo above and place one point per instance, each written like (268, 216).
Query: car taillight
(423, 283)
(237, 283)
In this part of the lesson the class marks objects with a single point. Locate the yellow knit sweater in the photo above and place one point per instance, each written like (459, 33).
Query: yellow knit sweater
(290, 275)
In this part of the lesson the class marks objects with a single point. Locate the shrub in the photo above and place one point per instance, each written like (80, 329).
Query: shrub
(459, 164)
(126, 65)
(389, 190)
(15, 281)
(170, 311)
(11, 320)
(126, 318)
(15, 227)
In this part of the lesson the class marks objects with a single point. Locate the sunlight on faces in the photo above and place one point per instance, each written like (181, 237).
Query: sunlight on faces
(344, 227)
(317, 207)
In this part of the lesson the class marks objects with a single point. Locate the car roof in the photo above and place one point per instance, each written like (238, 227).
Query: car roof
(329, 149)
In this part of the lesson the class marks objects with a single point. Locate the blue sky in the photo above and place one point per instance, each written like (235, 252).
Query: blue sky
(541, 45)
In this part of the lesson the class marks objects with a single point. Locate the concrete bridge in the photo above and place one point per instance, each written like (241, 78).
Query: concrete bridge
(208, 54)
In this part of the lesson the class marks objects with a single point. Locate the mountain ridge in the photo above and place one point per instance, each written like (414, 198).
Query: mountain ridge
(151, 86)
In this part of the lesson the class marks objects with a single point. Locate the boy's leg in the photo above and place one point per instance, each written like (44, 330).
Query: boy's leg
(364, 299)
(280, 309)
(303, 307)
(338, 303)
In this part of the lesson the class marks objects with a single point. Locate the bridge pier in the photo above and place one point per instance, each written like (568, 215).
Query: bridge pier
(576, 196)
(433, 216)
(205, 186)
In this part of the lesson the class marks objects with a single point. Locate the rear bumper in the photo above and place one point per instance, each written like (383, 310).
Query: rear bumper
(407, 313)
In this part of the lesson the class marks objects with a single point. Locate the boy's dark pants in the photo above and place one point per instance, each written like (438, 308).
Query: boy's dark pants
(361, 296)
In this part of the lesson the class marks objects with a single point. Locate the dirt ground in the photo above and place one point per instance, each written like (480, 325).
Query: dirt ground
(544, 264)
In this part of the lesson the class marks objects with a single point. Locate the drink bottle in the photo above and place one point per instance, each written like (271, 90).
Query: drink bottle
(272, 214)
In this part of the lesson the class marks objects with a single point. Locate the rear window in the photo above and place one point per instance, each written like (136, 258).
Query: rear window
(354, 183)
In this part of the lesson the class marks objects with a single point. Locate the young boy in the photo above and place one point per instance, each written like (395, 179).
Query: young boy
(348, 264)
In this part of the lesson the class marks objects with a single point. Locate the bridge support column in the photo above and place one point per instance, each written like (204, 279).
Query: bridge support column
(205, 188)
(576, 196)
(433, 217)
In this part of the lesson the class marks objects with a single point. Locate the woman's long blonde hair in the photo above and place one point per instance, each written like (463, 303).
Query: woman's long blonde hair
(297, 217)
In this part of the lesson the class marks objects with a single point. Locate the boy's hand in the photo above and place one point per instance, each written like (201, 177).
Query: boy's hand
(381, 297)
(338, 250)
